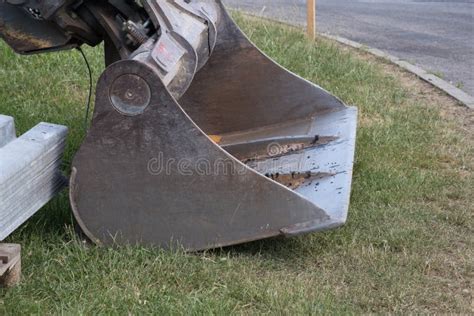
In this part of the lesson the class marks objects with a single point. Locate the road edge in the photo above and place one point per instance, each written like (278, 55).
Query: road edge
(436, 81)
(456, 93)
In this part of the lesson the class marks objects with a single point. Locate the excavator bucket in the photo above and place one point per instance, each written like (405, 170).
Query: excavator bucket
(249, 151)
(199, 139)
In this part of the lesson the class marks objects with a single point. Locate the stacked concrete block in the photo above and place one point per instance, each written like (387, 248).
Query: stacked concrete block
(29, 171)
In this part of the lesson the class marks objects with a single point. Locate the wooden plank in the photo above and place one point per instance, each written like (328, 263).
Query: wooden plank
(311, 18)
(10, 265)
(30, 174)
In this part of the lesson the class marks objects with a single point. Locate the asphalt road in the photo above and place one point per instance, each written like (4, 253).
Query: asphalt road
(437, 35)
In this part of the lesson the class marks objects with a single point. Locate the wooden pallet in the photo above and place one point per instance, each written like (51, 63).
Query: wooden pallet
(10, 264)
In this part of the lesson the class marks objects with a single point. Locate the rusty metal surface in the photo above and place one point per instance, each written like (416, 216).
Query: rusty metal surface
(27, 35)
(31, 26)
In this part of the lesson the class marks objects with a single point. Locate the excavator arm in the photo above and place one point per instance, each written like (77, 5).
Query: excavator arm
(198, 138)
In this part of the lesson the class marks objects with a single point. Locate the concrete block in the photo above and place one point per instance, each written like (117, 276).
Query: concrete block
(7, 130)
(30, 174)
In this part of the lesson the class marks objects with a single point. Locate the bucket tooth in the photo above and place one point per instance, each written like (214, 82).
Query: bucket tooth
(249, 151)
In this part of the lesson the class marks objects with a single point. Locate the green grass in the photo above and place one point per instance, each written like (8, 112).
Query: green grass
(407, 247)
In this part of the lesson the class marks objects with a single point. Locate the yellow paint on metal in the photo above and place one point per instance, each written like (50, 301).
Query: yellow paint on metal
(216, 138)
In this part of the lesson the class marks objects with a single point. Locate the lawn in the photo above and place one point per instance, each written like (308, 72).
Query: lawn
(407, 247)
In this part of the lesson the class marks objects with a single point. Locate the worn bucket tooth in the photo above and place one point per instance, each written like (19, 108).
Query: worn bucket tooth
(250, 151)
